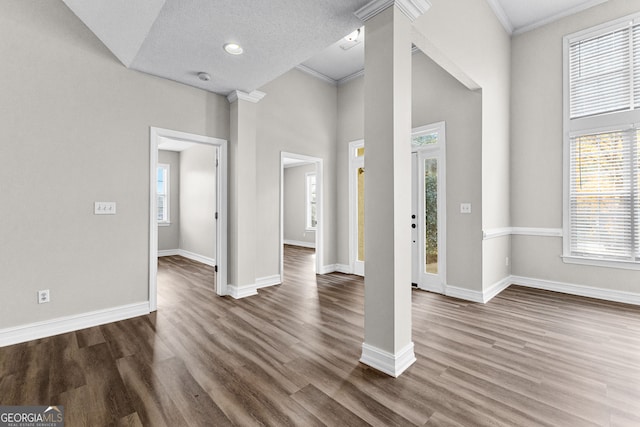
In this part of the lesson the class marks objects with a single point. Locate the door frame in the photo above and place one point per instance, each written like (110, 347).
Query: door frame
(437, 151)
(319, 208)
(356, 267)
(155, 135)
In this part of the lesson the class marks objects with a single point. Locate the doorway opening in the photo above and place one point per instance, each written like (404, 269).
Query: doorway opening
(428, 218)
(194, 167)
(301, 203)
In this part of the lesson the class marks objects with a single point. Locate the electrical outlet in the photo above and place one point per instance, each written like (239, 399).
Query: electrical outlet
(43, 296)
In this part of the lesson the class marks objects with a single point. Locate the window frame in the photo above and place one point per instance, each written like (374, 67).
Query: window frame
(166, 221)
(308, 222)
(594, 124)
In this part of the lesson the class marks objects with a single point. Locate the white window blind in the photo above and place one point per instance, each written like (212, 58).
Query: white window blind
(600, 74)
(162, 193)
(602, 163)
(604, 195)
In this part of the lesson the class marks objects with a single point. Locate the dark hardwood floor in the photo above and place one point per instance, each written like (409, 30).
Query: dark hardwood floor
(289, 356)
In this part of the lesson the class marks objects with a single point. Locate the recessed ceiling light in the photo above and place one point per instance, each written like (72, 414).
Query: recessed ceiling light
(353, 36)
(233, 49)
(205, 77)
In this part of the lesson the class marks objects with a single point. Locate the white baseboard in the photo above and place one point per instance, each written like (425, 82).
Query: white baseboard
(483, 296)
(311, 245)
(244, 291)
(168, 252)
(495, 289)
(197, 257)
(61, 325)
(579, 290)
(263, 282)
(465, 294)
(390, 364)
(343, 268)
(326, 269)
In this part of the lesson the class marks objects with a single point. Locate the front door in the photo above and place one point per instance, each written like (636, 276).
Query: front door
(428, 208)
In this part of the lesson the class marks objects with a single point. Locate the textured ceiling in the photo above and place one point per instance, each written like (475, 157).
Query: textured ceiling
(177, 39)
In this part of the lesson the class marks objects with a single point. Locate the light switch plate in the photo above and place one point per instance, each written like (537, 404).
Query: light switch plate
(104, 208)
(465, 208)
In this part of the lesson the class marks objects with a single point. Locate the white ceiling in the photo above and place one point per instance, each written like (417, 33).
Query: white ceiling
(178, 39)
(519, 16)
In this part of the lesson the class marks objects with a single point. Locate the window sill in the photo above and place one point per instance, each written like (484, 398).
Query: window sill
(596, 262)
(164, 224)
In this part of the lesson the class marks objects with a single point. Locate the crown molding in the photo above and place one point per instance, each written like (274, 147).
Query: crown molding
(254, 96)
(557, 16)
(412, 9)
(315, 74)
(351, 77)
(498, 10)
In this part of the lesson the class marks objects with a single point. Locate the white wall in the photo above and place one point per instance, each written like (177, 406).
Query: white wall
(298, 115)
(74, 129)
(198, 200)
(294, 205)
(537, 159)
(169, 235)
(466, 39)
(437, 96)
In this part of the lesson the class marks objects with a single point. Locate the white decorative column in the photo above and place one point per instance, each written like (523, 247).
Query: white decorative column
(387, 343)
(242, 194)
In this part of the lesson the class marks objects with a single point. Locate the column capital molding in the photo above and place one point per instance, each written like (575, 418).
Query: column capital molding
(412, 9)
(254, 96)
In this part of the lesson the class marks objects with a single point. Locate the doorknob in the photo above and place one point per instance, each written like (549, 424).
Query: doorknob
(413, 226)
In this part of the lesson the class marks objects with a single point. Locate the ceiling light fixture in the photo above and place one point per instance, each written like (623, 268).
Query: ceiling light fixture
(353, 36)
(233, 49)
(205, 77)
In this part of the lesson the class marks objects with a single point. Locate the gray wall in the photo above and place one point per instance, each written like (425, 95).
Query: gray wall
(298, 115)
(74, 126)
(295, 212)
(198, 200)
(437, 96)
(537, 158)
(169, 235)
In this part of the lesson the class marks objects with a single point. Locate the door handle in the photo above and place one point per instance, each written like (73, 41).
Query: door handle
(413, 226)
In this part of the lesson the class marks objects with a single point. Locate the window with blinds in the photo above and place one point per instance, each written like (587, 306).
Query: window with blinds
(602, 168)
(162, 193)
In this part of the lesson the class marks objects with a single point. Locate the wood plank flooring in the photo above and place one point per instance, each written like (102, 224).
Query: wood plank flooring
(289, 356)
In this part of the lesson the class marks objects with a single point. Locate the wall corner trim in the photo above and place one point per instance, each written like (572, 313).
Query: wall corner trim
(412, 9)
(239, 292)
(383, 361)
(254, 96)
(61, 325)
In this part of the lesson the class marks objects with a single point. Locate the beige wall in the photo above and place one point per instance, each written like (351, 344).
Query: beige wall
(74, 129)
(437, 96)
(294, 204)
(298, 115)
(198, 200)
(537, 158)
(466, 38)
(169, 235)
